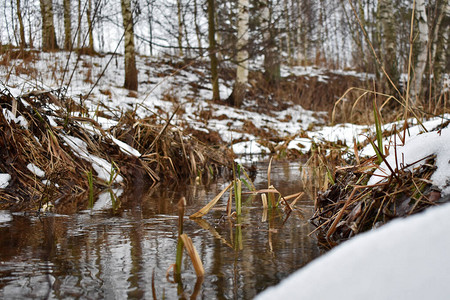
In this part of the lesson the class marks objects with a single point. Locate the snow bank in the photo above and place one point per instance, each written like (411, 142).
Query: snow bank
(405, 259)
(414, 150)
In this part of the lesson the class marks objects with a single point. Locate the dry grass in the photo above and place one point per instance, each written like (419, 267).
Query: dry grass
(349, 207)
(167, 153)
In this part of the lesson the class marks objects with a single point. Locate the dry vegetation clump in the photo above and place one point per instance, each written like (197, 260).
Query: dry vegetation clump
(349, 206)
(317, 93)
(35, 129)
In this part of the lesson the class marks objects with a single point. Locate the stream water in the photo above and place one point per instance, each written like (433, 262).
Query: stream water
(123, 248)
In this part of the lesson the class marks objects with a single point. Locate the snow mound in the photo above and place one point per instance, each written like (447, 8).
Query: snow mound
(405, 259)
(412, 154)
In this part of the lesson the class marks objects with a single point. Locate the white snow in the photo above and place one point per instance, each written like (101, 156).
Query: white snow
(125, 148)
(35, 170)
(18, 119)
(300, 144)
(250, 147)
(412, 153)
(404, 259)
(100, 165)
(4, 180)
(5, 216)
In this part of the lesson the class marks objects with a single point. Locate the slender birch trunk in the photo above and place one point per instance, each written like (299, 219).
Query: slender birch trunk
(212, 50)
(79, 25)
(48, 28)
(288, 32)
(422, 49)
(150, 4)
(197, 29)
(388, 41)
(239, 90)
(180, 29)
(131, 74)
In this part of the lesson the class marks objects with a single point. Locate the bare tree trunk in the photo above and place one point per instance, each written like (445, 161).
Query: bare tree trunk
(150, 4)
(67, 25)
(239, 89)
(212, 50)
(48, 28)
(21, 28)
(197, 29)
(79, 25)
(422, 49)
(354, 33)
(30, 33)
(388, 41)
(90, 29)
(131, 74)
(440, 41)
(180, 29)
(302, 42)
(288, 32)
(271, 58)
(218, 35)
(186, 35)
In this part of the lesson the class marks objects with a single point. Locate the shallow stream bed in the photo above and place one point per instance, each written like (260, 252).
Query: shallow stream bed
(117, 249)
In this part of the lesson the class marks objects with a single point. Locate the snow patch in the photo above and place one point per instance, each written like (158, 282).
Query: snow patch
(18, 120)
(4, 180)
(35, 170)
(250, 147)
(5, 216)
(412, 154)
(100, 165)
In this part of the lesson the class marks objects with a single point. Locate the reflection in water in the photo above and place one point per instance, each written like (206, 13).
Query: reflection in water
(113, 253)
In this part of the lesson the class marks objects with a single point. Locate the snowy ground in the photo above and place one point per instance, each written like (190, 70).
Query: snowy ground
(165, 86)
(405, 259)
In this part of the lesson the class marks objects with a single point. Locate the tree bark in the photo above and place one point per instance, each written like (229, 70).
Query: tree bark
(288, 32)
(150, 4)
(271, 58)
(388, 42)
(440, 41)
(67, 25)
(131, 74)
(422, 49)
(90, 29)
(48, 28)
(239, 89)
(212, 50)
(197, 29)
(180, 29)
(79, 25)
(23, 43)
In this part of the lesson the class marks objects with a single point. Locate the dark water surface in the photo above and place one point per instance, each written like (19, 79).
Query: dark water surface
(115, 250)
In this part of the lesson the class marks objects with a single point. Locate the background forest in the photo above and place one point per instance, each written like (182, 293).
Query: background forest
(379, 37)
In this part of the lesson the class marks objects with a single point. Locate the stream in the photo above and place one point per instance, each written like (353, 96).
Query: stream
(125, 245)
